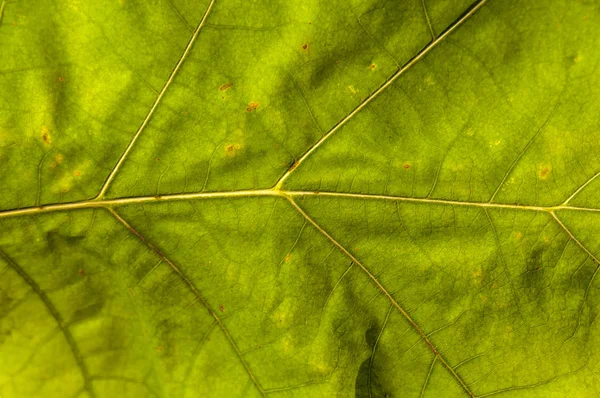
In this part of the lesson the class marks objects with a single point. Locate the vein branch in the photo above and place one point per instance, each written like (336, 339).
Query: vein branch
(195, 291)
(381, 89)
(124, 155)
(385, 292)
(70, 340)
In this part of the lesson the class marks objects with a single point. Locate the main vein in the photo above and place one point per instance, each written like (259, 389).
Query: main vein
(376, 93)
(119, 163)
(109, 203)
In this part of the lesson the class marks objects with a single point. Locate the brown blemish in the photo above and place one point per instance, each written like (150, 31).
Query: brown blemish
(81, 273)
(305, 46)
(293, 166)
(252, 106)
(519, 235)
(53, 165)
(225, 86)
(158, 159)
(406, 166)
(61, 79)
(372, 66)
(545, 172)
(46, 135)
(337, 61)
(159, 349)
(222, 308)
(232, 149)
(77, 173)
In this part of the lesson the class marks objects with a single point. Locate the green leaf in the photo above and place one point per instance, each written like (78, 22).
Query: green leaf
(291, 198)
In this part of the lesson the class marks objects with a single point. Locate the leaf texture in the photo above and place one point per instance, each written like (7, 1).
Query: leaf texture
(362, 198)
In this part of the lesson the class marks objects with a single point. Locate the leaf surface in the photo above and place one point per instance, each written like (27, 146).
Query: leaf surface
(299, 198)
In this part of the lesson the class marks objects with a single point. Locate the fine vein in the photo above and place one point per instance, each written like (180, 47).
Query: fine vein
(117, 166)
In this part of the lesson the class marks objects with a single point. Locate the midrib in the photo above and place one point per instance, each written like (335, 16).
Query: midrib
(107, 203)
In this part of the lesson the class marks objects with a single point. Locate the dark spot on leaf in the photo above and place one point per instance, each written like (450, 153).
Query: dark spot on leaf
(305, 46)
(81, 273)
(293, 166)
(158, 159)
(406, 166)
(222, 308)
(544, 172)
(372, 66)
(252, 106)
(225, 86)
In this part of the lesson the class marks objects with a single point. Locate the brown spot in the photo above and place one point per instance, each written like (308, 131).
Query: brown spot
(305, 46)
(158, 159)
(337, 62)
(310, 23)
(293, 166)
(159, 349)
(222, 308)
(252, 106)
(519, 235)
(53, 165)
(77, 174)
(544, 172)
(61, 79)
(46, 135)
(275, 146)
(585, 18)
(259, 346)
(372, 66)
(406, 166)
(288, 257)
(232, 149)
(81, 273)
(225, 86)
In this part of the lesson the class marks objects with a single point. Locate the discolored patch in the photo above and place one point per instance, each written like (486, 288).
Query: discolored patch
(406, 166)
(225, 86)
(252, 106)
(46, 136)
(222, 308)
(232, 149)
(372, 67)
(288, 257)
(305, 46)
(544, 172)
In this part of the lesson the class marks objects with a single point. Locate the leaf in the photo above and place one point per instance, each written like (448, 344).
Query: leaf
(299, 198)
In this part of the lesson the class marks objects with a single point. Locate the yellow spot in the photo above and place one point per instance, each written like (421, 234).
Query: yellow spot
(59, 158)
(288, 257)
(372, 67)
(429, 80)
(577, 59)
(77, 173)
(352, 90)
(470, 132)
(476, 274)
(518, 235)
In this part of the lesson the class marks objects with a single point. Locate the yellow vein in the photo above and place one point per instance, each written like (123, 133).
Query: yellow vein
(192, 287)
(428, 20)
(588, 182)
(2, 10)
(116, 168)
(374, 351)
(589, 253)
(95, 203)
(387, 294)
(429, 376)
(374, 95)
(87, 385)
